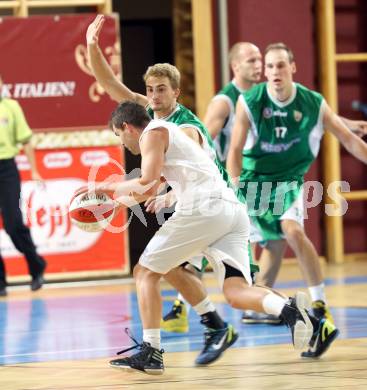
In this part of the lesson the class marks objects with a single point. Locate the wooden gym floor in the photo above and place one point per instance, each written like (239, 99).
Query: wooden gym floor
(63, 336)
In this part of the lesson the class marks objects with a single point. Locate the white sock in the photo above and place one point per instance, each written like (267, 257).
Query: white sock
(273, 304)
(153, 337)
(204, 306)
(182, 299)
(317, 292)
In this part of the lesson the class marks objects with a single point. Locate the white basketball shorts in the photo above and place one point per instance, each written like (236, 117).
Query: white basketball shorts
(218, 230)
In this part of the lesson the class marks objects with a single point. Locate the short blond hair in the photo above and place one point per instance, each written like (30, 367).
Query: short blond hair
(164, 70)
(280, 46)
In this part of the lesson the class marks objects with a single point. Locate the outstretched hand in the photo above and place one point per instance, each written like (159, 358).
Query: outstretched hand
(94, 29)
(359, 128)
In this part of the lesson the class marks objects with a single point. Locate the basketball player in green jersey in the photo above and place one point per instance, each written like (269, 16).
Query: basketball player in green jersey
(162, 87)
(246, 63)
(276, 137)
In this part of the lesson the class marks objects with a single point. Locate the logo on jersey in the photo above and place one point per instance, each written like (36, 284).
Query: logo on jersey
(297, 115)
(267, 112)
(282, 114)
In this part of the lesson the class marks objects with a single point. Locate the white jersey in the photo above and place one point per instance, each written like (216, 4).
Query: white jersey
(189, 170)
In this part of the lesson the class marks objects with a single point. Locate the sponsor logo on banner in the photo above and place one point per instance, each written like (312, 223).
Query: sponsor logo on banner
(45, 211)
(94, 157)
(40, 89)
(58, 160)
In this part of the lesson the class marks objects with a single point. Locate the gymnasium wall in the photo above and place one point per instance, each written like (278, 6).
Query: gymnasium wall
(351, 37)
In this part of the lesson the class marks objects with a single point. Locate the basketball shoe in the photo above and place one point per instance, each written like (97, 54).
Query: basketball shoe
(320, 310)
(176, 320)
(325, 333)
(148, 359)
(216, 342)
(295, 316)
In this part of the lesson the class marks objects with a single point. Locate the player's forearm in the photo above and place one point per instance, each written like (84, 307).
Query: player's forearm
(137, 188)
(129, 201)
(101, 70)
(357, 148)
(347, 122)
(234, 164)
(29, 152)
(105, 76)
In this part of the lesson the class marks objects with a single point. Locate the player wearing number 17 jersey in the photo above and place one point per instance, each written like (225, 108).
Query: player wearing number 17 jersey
(276, 137)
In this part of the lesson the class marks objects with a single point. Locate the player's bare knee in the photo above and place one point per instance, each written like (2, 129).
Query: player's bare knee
(136, 271)
(140, 272)
(232, 295)
(276, 245)
(293, 232)
(145, 276)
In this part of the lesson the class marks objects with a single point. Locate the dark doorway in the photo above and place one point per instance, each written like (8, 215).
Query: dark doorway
(146, 39)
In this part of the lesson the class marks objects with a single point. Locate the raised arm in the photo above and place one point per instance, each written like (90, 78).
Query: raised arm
(102, 70)
(238, 139)
(216, 115)
(350, 141)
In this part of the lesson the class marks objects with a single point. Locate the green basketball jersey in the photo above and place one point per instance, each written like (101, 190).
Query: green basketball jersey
(284, 138)
(230, 93)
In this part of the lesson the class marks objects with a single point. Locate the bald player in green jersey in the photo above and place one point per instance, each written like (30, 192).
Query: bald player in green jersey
(275, 139)
(246, 64)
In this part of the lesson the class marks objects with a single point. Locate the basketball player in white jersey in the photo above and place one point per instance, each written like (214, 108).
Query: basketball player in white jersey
(208, 220)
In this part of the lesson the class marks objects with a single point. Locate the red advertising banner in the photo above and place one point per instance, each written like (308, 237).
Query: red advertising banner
(44, 65)
(66, 247)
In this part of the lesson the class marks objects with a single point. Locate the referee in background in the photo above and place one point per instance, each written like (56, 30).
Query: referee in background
(14, 130)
